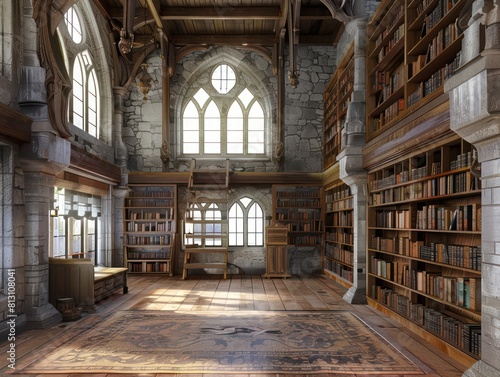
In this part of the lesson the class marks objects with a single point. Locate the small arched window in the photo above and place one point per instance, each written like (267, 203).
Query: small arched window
(246, 223)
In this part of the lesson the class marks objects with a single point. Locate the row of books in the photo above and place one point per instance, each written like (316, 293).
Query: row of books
(445, 185)
(310, 240)
(445, 5)
(151, 194)
(299, 192)
(149, 240)
(167, 226)
(464, 335)
(342, 255)
(148, 254)
(397, 219)
(464, 160)
(389, 82)
(392, 19)
(461, 218)
(339, 204)
(399, 33)
(314, 226)
(460, 291)
(464, 256)
(298, 203)
(140, 214)
(149, 267)
(339, 269)
(298, 215)
(341, 219)
(149, 203)
(340, 193)
(341, 237)
(454, 255)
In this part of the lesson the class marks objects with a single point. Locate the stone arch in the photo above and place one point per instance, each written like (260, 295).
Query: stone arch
(251, 67)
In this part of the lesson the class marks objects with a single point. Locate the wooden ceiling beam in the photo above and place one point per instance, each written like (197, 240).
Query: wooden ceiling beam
(220, 13)
(233, 40)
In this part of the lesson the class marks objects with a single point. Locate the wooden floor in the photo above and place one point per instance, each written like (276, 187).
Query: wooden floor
(238, 292)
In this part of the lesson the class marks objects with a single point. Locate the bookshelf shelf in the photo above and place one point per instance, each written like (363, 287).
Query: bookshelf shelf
(424, 243)
(339, 234)
(337, 97)
(150, 229)
(300, 209)
(412, 49)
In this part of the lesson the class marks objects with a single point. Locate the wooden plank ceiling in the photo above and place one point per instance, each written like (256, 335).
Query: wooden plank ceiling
(256, 23)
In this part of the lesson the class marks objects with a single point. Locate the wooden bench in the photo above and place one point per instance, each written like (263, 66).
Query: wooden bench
(81, 280)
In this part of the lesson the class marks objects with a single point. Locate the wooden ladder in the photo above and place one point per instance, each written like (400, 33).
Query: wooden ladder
(209, 193)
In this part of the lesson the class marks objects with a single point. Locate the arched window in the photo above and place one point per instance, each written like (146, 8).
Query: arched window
(223, 118)
(246, 223)
(85, 99)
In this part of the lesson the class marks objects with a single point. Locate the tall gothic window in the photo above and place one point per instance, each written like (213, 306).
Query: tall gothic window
(85, 99)
(223, 118)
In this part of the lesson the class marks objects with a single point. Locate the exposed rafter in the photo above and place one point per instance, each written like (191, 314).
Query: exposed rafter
(220, 13)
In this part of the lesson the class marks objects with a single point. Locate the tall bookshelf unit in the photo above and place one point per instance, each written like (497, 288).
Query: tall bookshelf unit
(339, 234)
(412, 49)
(300, 208)
(424, 246)
(336, 99)
(150, 229)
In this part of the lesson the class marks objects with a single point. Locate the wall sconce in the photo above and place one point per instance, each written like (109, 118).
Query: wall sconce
(145, 81)
(54, 212)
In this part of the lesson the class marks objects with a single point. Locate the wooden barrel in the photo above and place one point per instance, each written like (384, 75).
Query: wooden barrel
(63, 304)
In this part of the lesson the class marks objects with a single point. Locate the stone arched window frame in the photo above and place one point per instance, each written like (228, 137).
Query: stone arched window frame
(247, 77)
(91, 52)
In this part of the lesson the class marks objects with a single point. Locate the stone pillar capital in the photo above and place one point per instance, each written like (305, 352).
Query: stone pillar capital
(46, 154)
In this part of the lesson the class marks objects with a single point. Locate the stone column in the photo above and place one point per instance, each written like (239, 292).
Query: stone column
(119, 193)
(474, 110)
(46, 156)
(351, 160)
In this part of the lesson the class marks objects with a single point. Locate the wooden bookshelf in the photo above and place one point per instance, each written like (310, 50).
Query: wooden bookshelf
(300, 209)
(336, 99)
(424, 245)
(413, 47)
(339, 234)
(150, 229)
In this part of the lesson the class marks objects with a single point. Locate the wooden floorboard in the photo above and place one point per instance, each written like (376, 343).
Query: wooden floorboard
(236, 293)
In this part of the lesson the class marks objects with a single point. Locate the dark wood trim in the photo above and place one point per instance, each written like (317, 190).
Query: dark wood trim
(76, 182)
(220, 13)
(235, 178)
(415, 134)
(91, 165)
(227, 40)
(14, 125)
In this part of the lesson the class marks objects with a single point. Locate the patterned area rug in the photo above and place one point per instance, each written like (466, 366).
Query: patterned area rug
(225, 342)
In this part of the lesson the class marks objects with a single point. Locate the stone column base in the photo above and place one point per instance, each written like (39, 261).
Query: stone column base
(481, 369)
(42, 317)
(355, 296)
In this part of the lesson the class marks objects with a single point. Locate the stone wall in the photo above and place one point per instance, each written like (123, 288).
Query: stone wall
(304, 109)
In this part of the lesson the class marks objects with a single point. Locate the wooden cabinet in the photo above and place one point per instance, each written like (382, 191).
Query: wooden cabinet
(276, 251)
(300, 209)
(336, 99)
(424, 238)
(339, 234)
(150, 228)
(413, 47)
